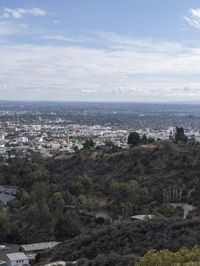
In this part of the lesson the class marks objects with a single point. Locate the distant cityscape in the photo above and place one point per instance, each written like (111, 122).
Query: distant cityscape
(62, 128)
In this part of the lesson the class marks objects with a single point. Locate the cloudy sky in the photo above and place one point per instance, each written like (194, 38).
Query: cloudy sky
(100, 50)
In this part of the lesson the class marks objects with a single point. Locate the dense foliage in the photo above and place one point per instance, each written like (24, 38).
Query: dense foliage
(58, 199)
(130, 238)
(183, 257)
(135, 139)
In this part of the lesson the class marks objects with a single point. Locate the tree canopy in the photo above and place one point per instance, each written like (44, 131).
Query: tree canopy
(183, 257)
(134, 138)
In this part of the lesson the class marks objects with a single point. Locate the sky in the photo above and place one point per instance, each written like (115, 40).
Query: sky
(100, 50)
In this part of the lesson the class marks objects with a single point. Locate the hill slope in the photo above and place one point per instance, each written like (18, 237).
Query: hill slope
(128, 239)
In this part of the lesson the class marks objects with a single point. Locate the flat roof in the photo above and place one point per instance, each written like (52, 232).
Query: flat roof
(39, 246)
(10, 248)
(17, 256)
(5, 198)
(143, 216)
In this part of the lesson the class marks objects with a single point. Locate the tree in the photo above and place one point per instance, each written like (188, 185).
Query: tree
(89, 143)
(4, 226)
(14, 204)
(84, 202)
(24, 197)
(144, 139)
(125, 196)
(1, 205)
(134, 138)
(151, 139)
(80, 185)
(64, 228)
(184, 257)
(180, 135)
(125, 190)
(192, 141)
(44, 215)
(57, 202)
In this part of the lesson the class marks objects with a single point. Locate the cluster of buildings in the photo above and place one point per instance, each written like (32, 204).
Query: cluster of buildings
(19, 139)
(24, 255)
(51, 137)
(164, 134)
(58, 137)
(25, 131)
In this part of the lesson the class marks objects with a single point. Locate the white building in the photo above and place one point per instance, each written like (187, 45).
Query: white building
(57, 263)
(171, 131)
(17, 259)
(2, 136)
(32, 250)
(37, 247)
(23, 139)
(143, 217)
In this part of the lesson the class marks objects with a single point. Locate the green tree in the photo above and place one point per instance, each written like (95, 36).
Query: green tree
(180, 135)
(45, 216)
(4, 226)
(64, 228)
(183, 257)
(24, 197)
(1, 205)
(125, 190)
(151, 139)
(84, 202)
(14, 204)
(57, 202)
(134, 138)
(89, 143)
(125, 196)
(144, 139)
(80, 185)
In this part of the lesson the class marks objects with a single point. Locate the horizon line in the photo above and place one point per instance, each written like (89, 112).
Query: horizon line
(104, 102)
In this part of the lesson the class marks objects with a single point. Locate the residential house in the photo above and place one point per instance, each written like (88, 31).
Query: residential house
(17, 259)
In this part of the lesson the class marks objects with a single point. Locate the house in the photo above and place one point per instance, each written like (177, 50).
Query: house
(2, 263)
(7, 249)
(7, 193)
(31, 250)
(17, 259)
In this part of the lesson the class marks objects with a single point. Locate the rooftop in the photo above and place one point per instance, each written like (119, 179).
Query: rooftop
(39, 246)
(143, 216)
(17, 256)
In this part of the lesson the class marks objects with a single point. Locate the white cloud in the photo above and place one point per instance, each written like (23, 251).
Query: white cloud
(85, 91)
(193, 18)
(20, 12)
(65, 38)
(9, 28)
(122, 70)
(118, 90)
(195, 12)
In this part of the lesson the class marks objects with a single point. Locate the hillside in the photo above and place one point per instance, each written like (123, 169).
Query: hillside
(157, 167)
(59, 198)
(131, 240)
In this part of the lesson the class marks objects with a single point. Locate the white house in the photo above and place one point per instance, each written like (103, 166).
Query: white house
(17, 259)
(31, 250)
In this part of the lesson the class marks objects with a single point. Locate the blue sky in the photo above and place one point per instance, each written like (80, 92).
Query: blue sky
(100, 50)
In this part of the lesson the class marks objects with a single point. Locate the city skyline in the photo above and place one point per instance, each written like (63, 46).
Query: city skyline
(99, 50)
